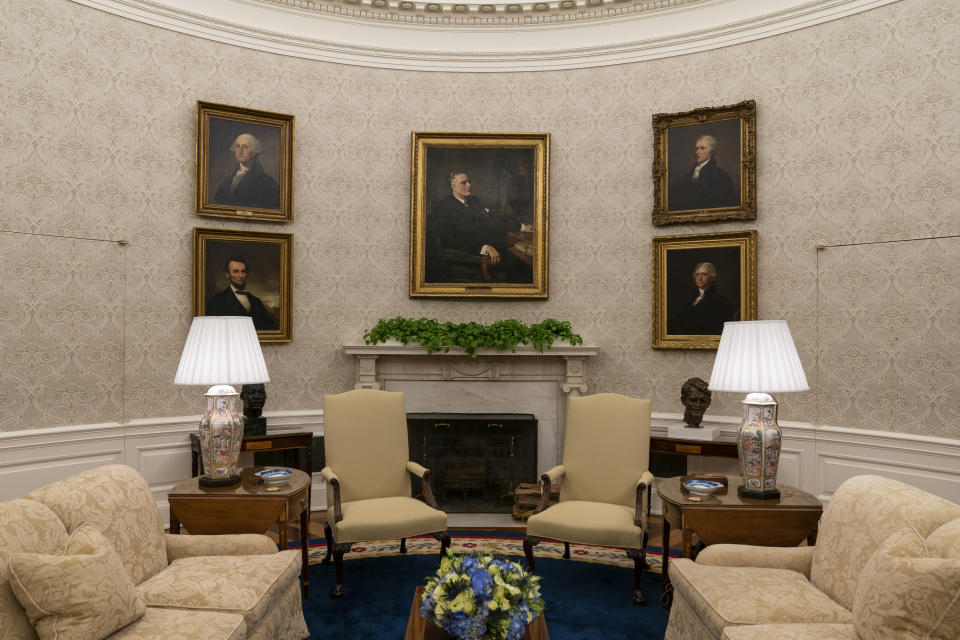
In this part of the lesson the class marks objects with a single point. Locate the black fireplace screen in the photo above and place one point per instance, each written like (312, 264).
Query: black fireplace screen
(476, 459)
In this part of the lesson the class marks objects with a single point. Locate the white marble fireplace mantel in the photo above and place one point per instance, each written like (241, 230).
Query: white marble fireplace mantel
(520, 381)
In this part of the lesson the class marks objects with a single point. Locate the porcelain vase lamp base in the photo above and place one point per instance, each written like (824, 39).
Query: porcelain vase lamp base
(758, 446)
(221, 434)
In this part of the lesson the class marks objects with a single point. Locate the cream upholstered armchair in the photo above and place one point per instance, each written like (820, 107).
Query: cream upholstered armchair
(886, 565)
(368, 476)
(603, 481)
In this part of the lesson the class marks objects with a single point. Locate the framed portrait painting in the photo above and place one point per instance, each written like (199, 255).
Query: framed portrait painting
(700, 282)
(244, 163)
(705, 164)
(245, 273)
(478, 215)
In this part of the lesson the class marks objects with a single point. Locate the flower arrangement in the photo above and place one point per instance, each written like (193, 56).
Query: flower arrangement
(481, 597)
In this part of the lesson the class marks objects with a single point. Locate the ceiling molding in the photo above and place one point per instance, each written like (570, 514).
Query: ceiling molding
(351, 32)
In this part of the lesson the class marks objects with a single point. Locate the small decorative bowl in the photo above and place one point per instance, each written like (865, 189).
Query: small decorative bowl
(701, 487)
(274, 476)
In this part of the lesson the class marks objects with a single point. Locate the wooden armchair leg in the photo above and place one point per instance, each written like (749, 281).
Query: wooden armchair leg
(566, 550)
(639, 562)
(403, 545)
(444, 539)
(328, 534)
(529, 542)
(338, 551)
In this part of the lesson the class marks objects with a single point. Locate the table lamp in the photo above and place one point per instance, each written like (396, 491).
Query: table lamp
(221, 351)
(758, 357)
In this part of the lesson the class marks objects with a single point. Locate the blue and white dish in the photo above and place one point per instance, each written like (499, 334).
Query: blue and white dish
(701, 487)
(274, 476)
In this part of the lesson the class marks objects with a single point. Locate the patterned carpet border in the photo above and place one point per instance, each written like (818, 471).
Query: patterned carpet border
(498, 542)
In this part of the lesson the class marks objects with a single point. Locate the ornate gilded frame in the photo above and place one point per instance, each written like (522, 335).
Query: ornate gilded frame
(218, 125)
(515, 165)
(674, 135)
(269, 259)
(674, 260)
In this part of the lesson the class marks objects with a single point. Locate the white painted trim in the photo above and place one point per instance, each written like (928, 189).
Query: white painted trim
(158, 448)
(593, 37)
(821, 457)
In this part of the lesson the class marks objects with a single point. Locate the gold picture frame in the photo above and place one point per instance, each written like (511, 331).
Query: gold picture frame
(244, 163)
(705, 164)
(266, 276)
(486, 238)
(686, 316)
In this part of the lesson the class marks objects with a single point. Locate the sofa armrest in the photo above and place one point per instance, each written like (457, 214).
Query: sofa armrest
(238, 544)
(740, 555)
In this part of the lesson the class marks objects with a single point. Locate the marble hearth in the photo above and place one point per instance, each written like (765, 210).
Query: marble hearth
(524, 381)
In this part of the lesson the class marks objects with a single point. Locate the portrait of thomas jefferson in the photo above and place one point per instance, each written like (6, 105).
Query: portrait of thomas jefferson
(703, 290)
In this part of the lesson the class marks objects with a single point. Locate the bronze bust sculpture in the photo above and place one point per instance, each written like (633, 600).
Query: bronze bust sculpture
(695, 397)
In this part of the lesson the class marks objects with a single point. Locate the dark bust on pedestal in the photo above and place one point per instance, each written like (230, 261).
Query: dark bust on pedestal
(695, 397)
(254, 396)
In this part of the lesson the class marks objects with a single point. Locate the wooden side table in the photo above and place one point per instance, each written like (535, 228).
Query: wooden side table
(246, 507)
(727, 518)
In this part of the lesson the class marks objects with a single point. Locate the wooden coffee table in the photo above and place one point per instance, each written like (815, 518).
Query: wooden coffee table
(724, 517)
(419, 628)
(247, 507)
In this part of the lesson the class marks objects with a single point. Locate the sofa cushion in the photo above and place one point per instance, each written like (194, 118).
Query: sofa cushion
(83, 592)
(581, 522)
(248, 585)
(25, 525)
(863, 511)
(117, 500)
(181, 624)
(724, 596)
(908, 591)
(807, 631)
(945, 540)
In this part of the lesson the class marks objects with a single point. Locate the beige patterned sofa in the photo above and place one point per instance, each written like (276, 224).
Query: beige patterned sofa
(87, 558)
(886, 565)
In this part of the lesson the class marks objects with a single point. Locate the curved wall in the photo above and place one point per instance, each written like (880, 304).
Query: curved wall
(857, 122)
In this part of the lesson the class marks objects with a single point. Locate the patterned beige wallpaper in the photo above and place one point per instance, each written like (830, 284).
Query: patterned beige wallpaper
(858, 123)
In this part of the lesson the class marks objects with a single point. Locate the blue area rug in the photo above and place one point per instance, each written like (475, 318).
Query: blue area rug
(584, 600)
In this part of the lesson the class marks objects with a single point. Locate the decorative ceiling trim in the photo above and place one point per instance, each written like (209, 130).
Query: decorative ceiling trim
(360, 34)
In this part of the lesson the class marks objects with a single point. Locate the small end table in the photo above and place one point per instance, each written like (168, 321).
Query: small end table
(247, 507)
(725, 517)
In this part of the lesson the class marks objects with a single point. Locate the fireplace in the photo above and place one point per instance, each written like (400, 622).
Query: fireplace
(476, 459)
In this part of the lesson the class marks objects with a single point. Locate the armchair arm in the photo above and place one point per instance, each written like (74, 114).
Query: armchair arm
(548, 478)
(236, 544)
(640, 515)
(331, 478)
(742, 555)
(424, 474)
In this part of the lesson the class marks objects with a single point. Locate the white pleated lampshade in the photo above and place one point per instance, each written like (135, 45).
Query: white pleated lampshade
(757, 356)
(222, 350)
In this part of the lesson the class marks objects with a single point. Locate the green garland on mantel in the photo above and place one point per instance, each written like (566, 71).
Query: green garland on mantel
(470, 336)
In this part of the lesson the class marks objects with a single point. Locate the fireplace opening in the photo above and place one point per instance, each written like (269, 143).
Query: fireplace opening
(476, 459)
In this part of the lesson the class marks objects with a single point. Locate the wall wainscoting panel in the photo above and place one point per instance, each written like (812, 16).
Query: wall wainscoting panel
(931, 464)
(158, 448)
(815, 459)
